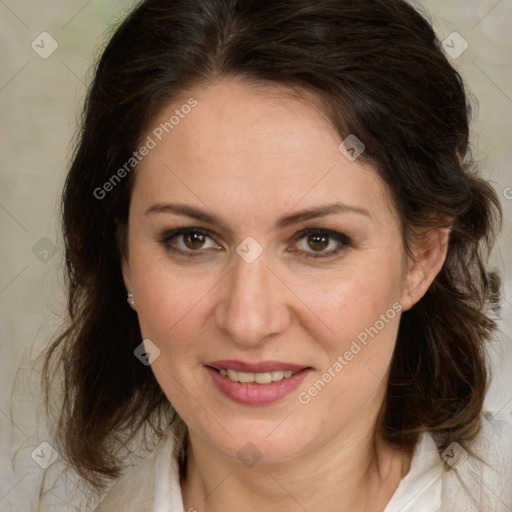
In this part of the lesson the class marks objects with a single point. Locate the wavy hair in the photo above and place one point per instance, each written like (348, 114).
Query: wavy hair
(381, 74)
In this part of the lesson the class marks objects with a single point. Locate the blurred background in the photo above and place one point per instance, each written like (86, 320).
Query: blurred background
(46, 53)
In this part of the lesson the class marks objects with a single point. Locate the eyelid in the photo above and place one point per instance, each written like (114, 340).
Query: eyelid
(174, 233)
(336, 235)
(343, 240)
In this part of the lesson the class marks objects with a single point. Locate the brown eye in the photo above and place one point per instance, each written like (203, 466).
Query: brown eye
(189, 241)
(194, 240)
(318, 242)
(321, 243)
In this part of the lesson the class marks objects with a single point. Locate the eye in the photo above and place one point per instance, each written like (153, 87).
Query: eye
(313, 243)
(188, 241)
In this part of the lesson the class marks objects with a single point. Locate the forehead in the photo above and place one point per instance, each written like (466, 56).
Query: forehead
(251, 147)
(234, 120)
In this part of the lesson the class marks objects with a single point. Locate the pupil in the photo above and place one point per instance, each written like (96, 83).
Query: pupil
(318, 242)
(194, 240)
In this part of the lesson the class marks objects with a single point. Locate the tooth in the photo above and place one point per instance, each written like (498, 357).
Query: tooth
(259, 378)
(233, 375)
(277, 375)
(245, 377)
(263, 378)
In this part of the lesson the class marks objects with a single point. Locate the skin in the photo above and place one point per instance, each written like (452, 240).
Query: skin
(250, 155)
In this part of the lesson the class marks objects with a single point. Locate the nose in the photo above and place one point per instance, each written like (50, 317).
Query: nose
(253, 305)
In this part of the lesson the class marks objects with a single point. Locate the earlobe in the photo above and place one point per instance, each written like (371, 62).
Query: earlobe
(429, 256)
(125, 266)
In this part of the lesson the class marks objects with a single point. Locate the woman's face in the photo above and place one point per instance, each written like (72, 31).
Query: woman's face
(244, 286)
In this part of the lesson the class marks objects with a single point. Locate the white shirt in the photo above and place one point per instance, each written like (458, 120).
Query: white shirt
(153, 485)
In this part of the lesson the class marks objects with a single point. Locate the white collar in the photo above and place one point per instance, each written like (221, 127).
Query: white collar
(419, 491)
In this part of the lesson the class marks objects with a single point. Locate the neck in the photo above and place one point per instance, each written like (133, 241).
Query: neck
(351, 472)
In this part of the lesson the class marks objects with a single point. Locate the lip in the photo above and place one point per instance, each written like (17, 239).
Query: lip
(260, 367)
(251, 393)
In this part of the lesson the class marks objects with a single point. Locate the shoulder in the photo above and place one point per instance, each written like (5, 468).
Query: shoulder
(482, 479)
(496, 436)
(154, 479)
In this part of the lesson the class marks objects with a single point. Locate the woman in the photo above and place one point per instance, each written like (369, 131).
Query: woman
(284, 194)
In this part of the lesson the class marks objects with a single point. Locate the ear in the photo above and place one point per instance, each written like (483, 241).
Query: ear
(429, 254)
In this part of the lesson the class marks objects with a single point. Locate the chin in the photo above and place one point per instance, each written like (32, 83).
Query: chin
(268, 441)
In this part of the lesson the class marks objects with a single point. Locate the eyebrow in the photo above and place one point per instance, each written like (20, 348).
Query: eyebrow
(283, 222)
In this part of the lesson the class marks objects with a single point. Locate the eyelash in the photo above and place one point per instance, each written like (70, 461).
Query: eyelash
(342, 239)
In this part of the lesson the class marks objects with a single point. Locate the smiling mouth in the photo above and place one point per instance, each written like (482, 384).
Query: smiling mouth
(256, 383)
(258, 378)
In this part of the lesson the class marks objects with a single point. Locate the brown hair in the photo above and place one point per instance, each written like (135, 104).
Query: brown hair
(379, 70)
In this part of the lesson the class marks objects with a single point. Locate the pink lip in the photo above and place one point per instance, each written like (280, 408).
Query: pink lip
(253, 393)
(261, 367)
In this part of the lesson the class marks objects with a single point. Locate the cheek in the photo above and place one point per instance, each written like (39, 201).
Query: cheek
(172, 309)
(347, 304)
(170, 299)
(356, 328)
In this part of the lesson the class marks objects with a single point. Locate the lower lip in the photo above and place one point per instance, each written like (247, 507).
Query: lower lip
(250, 393)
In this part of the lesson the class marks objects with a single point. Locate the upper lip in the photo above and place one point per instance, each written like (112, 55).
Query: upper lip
(260, 367)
